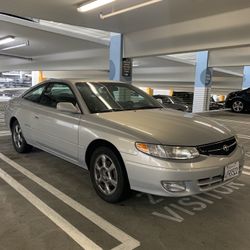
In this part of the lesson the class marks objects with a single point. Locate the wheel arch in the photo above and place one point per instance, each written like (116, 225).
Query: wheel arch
(238, 99)
(104, 143)
(12, 120)
(122, 193)
(101, 143)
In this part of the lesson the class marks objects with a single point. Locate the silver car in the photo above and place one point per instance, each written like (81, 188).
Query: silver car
(125, 138)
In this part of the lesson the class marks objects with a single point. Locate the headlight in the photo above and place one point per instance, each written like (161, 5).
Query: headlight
(168, 152)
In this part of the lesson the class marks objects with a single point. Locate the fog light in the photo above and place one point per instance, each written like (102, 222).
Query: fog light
(174, 186)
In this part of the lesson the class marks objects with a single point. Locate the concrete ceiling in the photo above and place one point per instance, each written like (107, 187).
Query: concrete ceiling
(166, 72)
(163, 73)
(230, 57)
(50, 48)
(163, 13)
(42, 42)
(170, 26)
(226, 30)
(167, 27)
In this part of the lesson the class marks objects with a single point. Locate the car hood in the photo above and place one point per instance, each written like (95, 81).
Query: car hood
(170, 127)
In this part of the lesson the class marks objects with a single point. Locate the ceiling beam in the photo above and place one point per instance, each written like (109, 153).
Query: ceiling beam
(205, 33)
(16, 57)
(50, 28)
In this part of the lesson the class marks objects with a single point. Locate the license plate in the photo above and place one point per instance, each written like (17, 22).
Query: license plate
(231, 171)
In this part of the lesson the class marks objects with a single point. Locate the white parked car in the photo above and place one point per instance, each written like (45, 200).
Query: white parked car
(125, 138)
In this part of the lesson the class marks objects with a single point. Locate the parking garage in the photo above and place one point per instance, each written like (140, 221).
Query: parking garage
(192, 57)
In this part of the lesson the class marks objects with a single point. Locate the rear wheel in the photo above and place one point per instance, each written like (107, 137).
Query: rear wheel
(18, 139)
(238, 106)
(108, 175)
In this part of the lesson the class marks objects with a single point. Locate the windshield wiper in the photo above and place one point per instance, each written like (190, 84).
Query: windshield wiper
(110, 110)
(116, 109)
(148, 107)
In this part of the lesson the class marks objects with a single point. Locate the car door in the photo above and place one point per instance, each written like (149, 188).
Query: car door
(55, 130)
(25, 113)
(247, 97)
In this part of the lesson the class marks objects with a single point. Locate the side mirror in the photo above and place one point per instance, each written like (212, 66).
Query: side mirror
(67, 107)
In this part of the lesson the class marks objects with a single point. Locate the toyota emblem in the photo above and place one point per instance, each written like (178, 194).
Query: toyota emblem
(226, 148)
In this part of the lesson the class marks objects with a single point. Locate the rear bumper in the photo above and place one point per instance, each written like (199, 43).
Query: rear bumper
(206, 169)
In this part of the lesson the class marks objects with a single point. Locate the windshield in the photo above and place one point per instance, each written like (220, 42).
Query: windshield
(109, 97)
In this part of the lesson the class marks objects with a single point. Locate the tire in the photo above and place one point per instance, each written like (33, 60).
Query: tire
(18, 140)
(108, 175)
(238, 106)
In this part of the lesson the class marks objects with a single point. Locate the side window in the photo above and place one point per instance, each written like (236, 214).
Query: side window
(35, 95)
(55, 93)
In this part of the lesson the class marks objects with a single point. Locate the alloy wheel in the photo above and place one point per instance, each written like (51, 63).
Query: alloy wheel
(106, 176)
(238, 106)
(17, 136)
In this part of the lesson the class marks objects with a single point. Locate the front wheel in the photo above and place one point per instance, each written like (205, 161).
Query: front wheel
(108, 175)
(238, 106)
(18, 139)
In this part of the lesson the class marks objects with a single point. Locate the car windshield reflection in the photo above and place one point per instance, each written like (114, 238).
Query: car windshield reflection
(113, 97)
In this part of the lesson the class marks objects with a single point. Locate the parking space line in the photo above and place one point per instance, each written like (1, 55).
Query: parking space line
(227, 120)
(247, 137)
(5, 133)
(246, 173)
(127, 241)
(68, 228)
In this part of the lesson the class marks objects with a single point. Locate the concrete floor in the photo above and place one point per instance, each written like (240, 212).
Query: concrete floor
(217, 220)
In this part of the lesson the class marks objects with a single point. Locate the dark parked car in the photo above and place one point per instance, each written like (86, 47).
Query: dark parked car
(239, 101)
(172, 102)
(187, 98)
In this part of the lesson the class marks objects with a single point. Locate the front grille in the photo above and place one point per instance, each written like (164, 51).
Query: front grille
(207, 183)
(225, 147)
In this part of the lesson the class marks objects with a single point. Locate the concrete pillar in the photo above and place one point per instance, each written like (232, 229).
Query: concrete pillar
(150, 91)
(37, 77)
(120, 69)
(203, 82)
(246, 77)
(115, 57)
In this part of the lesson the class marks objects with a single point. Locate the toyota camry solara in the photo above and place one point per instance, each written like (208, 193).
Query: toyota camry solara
(125, 138)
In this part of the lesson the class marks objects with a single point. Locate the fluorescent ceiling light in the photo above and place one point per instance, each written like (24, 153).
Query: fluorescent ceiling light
(93, 5)
(129, 9)
(16, 46)
(7, 39)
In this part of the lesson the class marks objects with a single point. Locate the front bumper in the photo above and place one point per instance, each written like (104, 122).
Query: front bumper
(202, 174)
